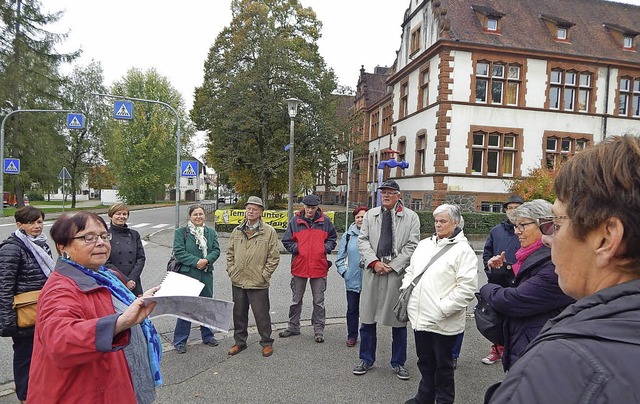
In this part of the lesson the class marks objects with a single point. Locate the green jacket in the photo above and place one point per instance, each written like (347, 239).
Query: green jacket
(252, 260)
(188, 253)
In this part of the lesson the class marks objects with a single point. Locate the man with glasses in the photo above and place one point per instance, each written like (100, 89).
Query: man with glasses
(252, 258)
(502, 239)
(388, 236)
(310, 236)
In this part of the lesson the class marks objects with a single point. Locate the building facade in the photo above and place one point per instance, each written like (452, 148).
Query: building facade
(484, 91)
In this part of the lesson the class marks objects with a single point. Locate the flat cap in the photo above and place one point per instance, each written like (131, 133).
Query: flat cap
(513, 199)
(311, 200)
(254, 200)
(390, 184)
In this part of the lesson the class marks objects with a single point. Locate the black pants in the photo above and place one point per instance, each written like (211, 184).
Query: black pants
(258, 299)
(436, 367)
(22, 349)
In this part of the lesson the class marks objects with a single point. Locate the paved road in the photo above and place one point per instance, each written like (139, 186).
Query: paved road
(300, 370)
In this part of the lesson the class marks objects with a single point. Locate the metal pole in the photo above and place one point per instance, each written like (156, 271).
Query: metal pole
(290, 202)
(2, 145)
(178, 143)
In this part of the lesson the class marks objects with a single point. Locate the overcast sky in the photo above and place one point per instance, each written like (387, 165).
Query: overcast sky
(175, 37)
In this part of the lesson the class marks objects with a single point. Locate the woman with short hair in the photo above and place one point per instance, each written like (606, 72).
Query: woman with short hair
(438, 304)
(525, 292)
(93, 340)
(127, 252)
(25, 265)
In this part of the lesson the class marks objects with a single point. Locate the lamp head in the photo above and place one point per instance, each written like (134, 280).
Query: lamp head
(292, 106)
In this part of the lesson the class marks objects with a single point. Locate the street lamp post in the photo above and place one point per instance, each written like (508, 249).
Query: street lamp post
(292, 106)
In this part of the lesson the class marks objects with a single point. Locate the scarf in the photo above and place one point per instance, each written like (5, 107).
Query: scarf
(105, 278)
(198, 233)
(43, 258)
(385, 242)
(524, 253)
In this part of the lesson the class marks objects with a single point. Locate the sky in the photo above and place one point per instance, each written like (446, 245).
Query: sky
(175, 37)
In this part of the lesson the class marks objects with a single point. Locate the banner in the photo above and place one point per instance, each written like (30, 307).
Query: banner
(276, 218)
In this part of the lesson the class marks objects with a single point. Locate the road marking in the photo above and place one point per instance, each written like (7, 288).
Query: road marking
(135, 226)
(160, 226)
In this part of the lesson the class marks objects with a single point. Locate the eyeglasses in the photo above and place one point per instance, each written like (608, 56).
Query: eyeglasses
(521, 227)
(549, 225)
(93, 238)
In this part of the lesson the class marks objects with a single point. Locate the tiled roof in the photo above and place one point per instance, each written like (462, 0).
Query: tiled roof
(523, 28)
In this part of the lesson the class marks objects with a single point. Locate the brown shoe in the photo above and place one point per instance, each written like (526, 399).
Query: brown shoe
(236, 349)
(267, 351)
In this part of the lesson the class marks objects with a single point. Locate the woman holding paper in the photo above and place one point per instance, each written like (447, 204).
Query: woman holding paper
(196, 247)
(90, 323)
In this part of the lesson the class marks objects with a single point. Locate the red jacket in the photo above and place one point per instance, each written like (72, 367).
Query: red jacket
(76, 358)
(310, 243)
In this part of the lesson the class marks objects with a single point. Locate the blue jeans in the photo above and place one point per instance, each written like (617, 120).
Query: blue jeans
(368, 344)
(353, 314)
(183, 329)
(456, 349)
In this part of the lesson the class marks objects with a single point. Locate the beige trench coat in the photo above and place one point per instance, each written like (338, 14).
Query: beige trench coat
(380, 292)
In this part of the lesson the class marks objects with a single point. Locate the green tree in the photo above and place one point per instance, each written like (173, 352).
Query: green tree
(29, 79)
(267, 54)
(142, 152)
(84, 147)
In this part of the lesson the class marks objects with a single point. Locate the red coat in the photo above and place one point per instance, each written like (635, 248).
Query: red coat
(76, 358)
(310, 243)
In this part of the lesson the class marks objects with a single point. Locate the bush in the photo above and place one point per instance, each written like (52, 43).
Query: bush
(35, 195)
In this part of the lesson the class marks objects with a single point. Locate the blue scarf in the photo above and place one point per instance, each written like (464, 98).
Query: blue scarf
(105, 278)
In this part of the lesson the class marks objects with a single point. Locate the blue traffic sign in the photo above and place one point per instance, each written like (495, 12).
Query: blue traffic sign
(75, 121)
(189, 168)
(123, 110)
(11, 166)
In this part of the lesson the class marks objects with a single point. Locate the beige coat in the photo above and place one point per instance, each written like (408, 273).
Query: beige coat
(380, 292)
(252, 260)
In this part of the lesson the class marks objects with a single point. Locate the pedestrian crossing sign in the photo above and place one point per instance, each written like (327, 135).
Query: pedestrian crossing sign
(123, 110)
(11, 166)
(189, 168)
(75, 121)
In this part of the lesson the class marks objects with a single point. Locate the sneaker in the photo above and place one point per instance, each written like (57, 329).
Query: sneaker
(211, 342)
(492, 358)
(401, 372)
(287, 333)
(319, 338)
(362, 368)
(351, 342)
(181, 349)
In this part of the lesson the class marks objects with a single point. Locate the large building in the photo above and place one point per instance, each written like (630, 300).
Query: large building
(483, 91)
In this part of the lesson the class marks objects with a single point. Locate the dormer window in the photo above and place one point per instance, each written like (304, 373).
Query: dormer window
(624, 37)
(562, 34)
(489, 18)
(558, 27)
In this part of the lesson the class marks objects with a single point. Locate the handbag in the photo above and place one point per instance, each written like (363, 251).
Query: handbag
(400, 308)
(174, 265)
(25, 305)
(488, 321)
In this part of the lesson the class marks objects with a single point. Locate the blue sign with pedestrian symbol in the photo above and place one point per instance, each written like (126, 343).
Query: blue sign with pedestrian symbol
(123, 110)
(189, 168)
(11, 166)
(75, 121)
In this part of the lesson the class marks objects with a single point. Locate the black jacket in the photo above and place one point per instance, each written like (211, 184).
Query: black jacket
(588, 354)
(19, 273)
(127, 254)
(501, 238)
(532, 298)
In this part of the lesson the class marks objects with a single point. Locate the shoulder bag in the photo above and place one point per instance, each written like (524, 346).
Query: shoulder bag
(400, 308)
(488, 321)
(174, 265)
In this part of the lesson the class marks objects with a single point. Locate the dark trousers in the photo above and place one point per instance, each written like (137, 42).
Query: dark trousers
(369, 342)
(258, 299)
(458, 346)
(22, 349)
(436, 367)
(318, 315)
(353, 314)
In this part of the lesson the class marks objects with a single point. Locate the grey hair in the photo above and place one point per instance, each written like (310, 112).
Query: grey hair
(535, 209)
(452, 210)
